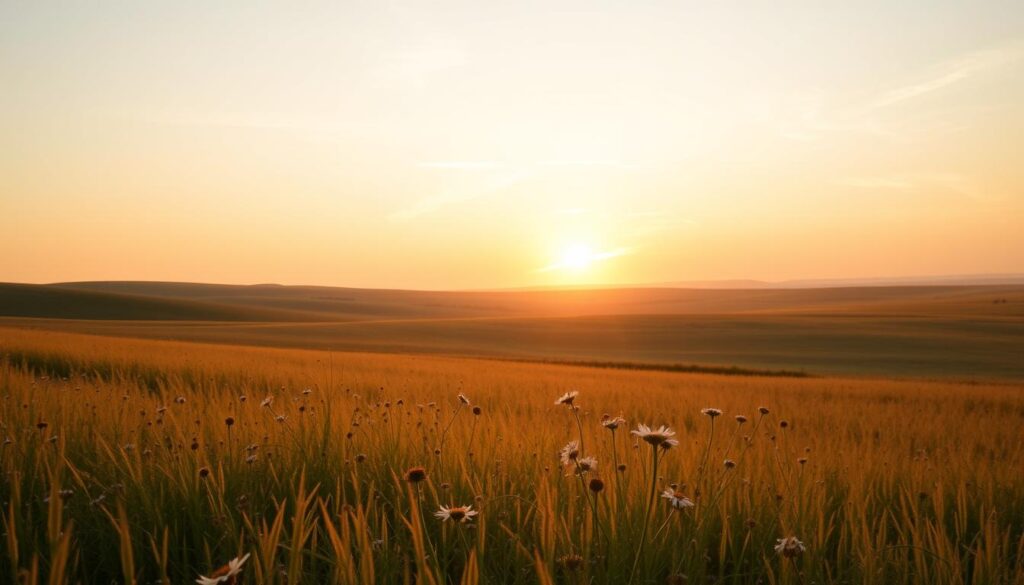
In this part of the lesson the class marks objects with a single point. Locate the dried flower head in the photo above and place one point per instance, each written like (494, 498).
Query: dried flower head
(415, 474)
(729, 464)
(677, 500)
(456, 514)
(463, 399)
(267, 401)
(741, 419)
(567, 398)
(596, 485)
(763, 409)
(657, 436)
(477, 410)
(790, 547)
(711, 412)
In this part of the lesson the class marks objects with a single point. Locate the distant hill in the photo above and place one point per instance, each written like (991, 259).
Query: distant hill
(972, 331)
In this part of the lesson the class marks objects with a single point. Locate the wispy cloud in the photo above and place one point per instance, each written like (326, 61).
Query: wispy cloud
(951, 72)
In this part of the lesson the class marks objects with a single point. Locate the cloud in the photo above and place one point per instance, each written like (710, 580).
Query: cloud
(951, 72)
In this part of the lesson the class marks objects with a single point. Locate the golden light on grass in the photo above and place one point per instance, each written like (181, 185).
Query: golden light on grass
(866, 509)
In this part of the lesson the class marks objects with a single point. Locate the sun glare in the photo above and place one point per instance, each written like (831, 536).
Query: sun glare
(577, 257)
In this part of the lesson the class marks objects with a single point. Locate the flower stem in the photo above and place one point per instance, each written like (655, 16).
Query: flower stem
(647, 514)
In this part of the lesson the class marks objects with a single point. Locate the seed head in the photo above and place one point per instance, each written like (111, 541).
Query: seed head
(477, 410)
(741, 419)
(596, 485)
(711, 412)
(763, 409)
(415, 474)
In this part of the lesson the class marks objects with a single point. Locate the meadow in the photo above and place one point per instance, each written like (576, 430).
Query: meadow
(142, 461)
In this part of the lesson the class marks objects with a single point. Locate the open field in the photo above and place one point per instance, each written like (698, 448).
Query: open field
(120, 465)
(968, 332)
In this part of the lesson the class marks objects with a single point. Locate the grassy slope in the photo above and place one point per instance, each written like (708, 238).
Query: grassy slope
(915, 331)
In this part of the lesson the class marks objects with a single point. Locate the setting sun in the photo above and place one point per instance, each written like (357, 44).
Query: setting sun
(577, 257)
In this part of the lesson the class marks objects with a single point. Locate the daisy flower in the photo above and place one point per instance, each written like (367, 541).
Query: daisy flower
(790, 547)
(661, 435)
(711, 412)
(677, 500)
(225, 574)
(612, 423)
(456, 513)
(570, 452)
(567, 398)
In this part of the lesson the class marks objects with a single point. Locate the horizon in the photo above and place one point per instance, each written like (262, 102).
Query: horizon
(990, 279)
(465, 146)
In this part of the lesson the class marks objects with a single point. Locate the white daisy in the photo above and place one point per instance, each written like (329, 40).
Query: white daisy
(225, 574)
(790, 547)
(456, 513)
(567, 398)
(657, 436)
(677, 500)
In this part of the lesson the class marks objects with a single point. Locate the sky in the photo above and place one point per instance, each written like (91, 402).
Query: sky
(452, 145)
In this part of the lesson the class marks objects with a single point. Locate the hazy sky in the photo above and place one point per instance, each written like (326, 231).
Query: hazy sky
(476, 144)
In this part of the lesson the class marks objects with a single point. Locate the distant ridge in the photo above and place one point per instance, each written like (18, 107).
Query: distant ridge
(938, 280)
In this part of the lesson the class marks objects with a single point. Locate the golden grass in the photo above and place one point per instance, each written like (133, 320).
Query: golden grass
(119, 465)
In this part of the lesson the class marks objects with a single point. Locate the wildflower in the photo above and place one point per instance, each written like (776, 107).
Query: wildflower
(41, 425)
(612, 423)
(477, 410)
(463, 399)
(783, 423)
(179, 400)
(677, 500)
(242, 398)
(567, 398)
(229, 421)
(280, 418)
(585, 464)
(204, 472)
(657, 436)
(267, 402)
(415, 474)
(251, 458)
(456, 513)
(729, 464)
(741, 419)
(596, 485)
(307, 391)
(790, 547)
(762, 409)
(225, 574)
(161, 409)
(802, 460)
(711, 412)
(570, 452)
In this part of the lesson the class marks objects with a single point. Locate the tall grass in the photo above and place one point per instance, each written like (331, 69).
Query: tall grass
(119, 465)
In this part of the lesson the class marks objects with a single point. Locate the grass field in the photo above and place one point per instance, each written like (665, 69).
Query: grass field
(154, 461)
(966, 332)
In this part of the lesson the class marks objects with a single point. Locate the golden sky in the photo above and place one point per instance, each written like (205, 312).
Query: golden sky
(483, 144)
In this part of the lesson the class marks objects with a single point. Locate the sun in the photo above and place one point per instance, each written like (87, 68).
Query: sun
(577, 257)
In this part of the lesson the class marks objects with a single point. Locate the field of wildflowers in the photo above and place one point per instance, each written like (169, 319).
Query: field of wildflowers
(160, 462)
